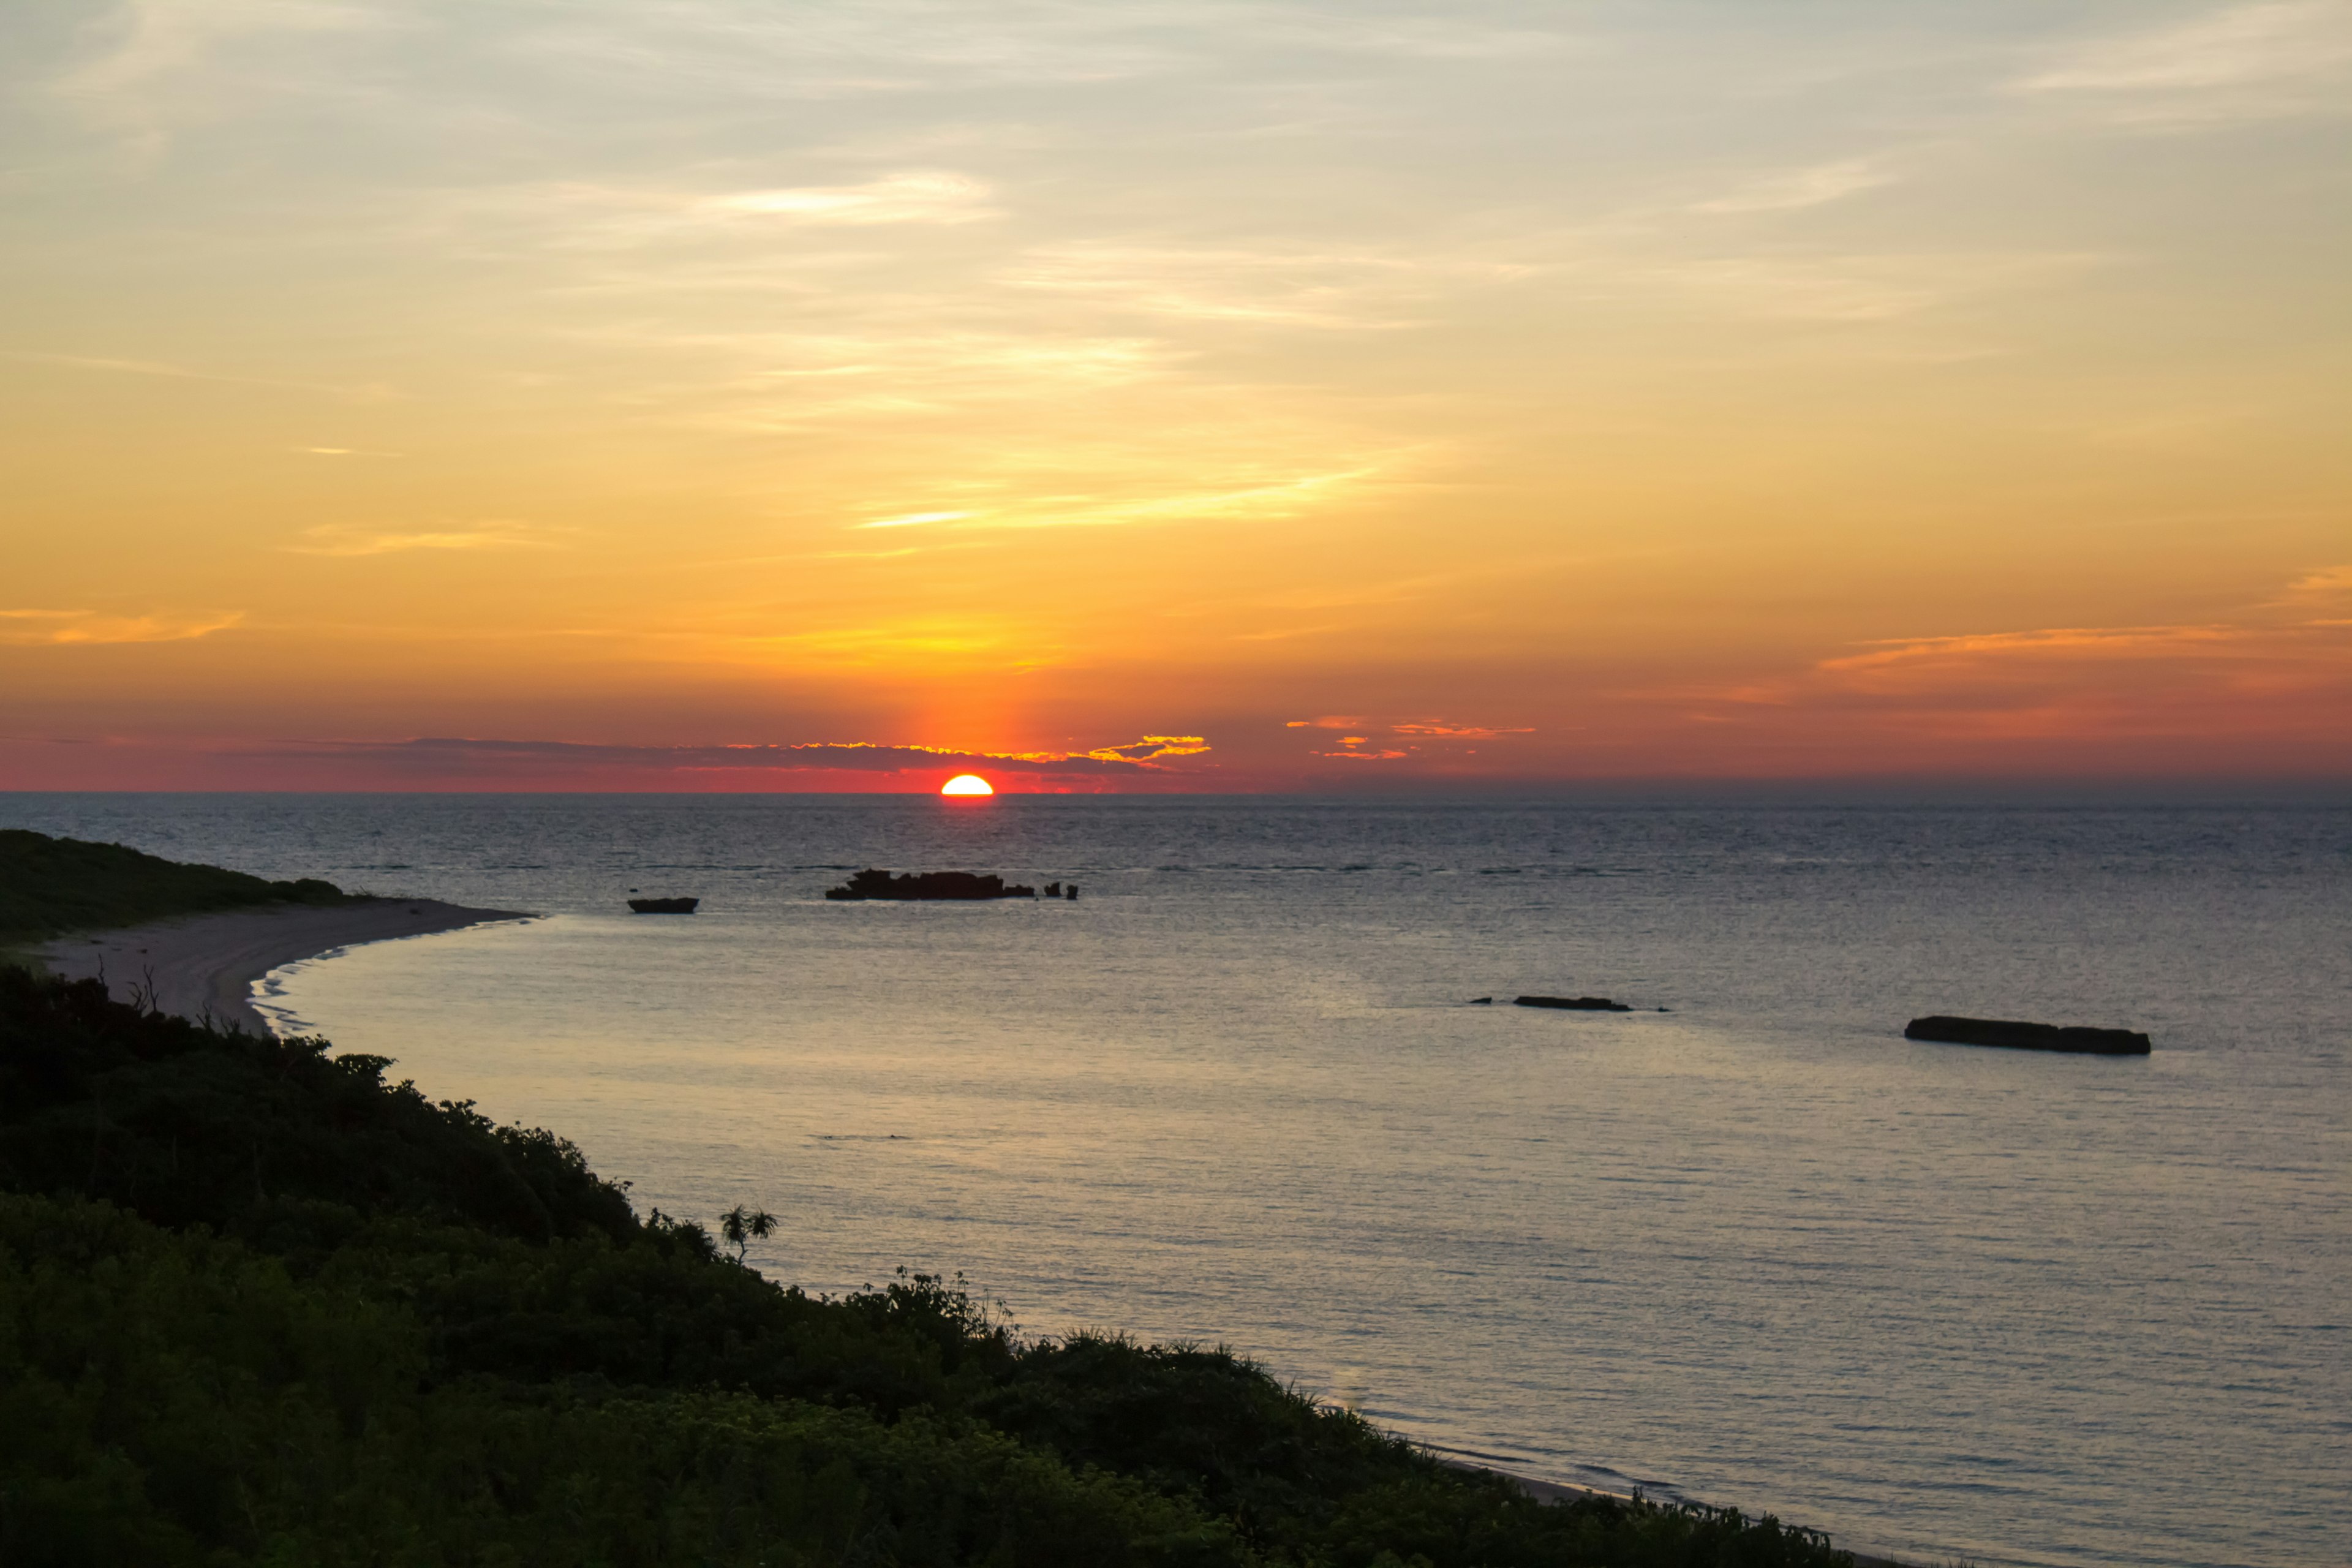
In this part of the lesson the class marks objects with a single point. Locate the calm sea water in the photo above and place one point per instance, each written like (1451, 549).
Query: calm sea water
(1755, 1249)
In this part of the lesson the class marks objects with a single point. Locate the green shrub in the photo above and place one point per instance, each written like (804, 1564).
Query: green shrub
(51, 885)
(258, 1306)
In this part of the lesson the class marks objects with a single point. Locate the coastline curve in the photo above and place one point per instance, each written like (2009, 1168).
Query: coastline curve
(204, 967)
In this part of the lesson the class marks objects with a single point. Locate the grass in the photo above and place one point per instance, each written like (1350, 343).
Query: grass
(50, 887)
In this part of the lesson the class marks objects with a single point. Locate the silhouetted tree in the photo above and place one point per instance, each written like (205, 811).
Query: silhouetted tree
(740, 1226)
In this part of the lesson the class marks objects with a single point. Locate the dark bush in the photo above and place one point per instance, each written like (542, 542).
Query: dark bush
(51, 885)
(258, 1306)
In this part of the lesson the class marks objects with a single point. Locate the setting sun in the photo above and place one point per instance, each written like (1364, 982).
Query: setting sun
(967, 783)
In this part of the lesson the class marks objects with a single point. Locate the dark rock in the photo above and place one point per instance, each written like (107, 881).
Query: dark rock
(873, 884)
(1574, 1004)
(664, 905)
(2027, 1037)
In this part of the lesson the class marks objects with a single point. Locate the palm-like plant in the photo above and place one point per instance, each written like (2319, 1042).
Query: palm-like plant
(740, 1226)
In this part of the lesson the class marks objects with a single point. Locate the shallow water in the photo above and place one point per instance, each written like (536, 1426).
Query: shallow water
(1756, 1249)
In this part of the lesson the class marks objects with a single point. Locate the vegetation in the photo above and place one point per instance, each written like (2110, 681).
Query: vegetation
(259, 1305)
(52, 886)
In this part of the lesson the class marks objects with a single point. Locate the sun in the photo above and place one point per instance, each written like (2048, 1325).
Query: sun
(967, 783)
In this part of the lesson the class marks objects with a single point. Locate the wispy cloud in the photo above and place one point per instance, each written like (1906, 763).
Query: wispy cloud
(1151, 747)
(611, 216)
(350, 539)
(169, 371)
(917, 197)
(2246, 61)
(1866, 288)
(146, 40)
(1813, 187)
(1271, 286)
(2326, 587)
(1435, 729)
(493, 756)
(1429, 739)
(2264, 671)
(66, 627)
(2105, 642)
(914, 520)
(1277, 498)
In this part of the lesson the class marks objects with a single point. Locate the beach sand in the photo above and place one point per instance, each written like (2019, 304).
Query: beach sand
(204, 966)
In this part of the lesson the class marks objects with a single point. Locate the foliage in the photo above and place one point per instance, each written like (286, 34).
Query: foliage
(184, 1124)
(740, 1226)
(51, 885)
(170, 1399)
(258, 1306)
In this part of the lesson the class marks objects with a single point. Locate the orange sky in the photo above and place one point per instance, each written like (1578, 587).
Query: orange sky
(1171, 398)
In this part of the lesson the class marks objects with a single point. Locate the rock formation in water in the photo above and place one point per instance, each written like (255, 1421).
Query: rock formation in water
(2026, 1036)
(873, 884)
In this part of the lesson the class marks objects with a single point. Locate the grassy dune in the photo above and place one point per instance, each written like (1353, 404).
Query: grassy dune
(50, 887)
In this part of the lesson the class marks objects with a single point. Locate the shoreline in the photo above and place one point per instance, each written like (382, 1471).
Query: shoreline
(203, 967)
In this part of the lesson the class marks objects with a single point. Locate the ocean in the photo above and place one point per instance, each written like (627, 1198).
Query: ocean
(1744, 1245)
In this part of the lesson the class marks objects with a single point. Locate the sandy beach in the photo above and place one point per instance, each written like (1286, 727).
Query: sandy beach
(204, 966)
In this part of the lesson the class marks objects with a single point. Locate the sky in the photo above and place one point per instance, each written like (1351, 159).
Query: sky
(721, 394)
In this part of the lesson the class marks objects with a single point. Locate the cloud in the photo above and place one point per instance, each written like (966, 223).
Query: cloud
(66, 627)
(2248, 61)
(616, 216)
(1865, 287)
(2317, 588)
(2060, 683)
(1797, 188)
(160, 38)
(347, 540)
(181, 373)
(914, 519)
(928, 197)
(1277, 498)
(121, 366)
(2108, 642)
(471, 754)
(1414, 734)
(1436, 731)
(1311, 287)
(1150, 747)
